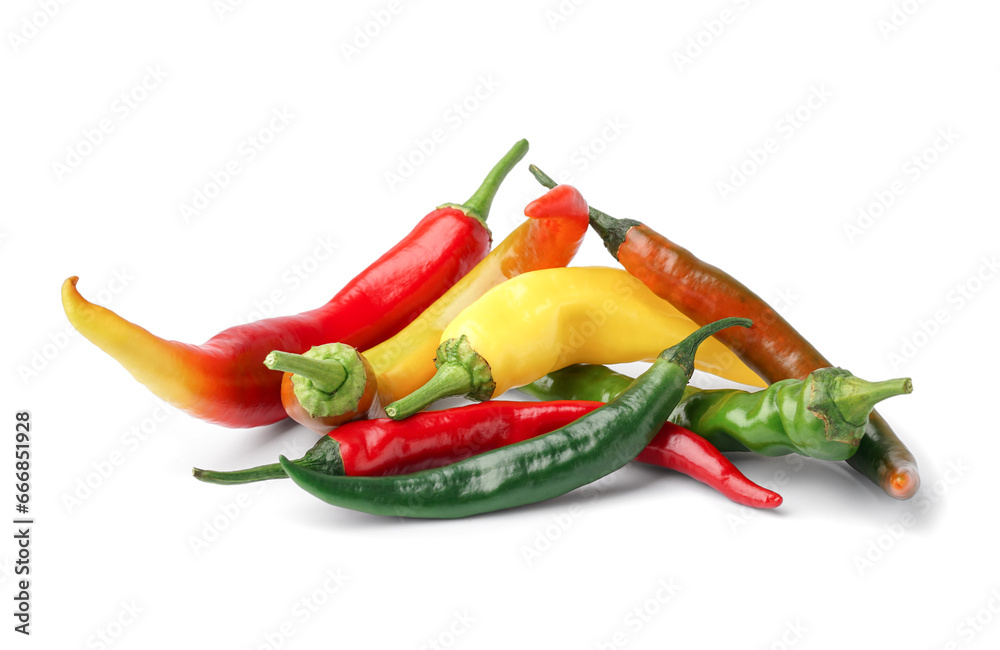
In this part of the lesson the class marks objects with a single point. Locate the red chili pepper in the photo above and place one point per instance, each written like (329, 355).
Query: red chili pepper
(224, 380)
(432, 439)
(772, 347)
(684, 451)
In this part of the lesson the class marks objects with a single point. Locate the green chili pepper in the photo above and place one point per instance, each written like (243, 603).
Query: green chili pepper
(579, 453)
(822, 416)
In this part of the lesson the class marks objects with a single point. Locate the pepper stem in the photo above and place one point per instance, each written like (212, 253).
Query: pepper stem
(613, 231)
(326, 374)
(479, 204)
(683, 353)
(856, 397)
(460, 371)
(450, 379)
(324, 457)
(541, 176)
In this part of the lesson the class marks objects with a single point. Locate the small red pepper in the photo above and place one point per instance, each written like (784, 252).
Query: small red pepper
(433, 439)
(684, 451)
(224, 380)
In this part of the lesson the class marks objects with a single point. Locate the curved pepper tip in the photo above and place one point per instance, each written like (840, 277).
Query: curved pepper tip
(560, 201)
(77, 308)
(69, 288)
(773, 500)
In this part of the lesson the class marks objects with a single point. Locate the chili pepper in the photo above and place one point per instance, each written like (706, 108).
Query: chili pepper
(674, 447)
(686, 452)
(544, 467)
(545, 320)
(431, 439)
(773, 348)
(821, 416)
(549, 238)
(319, 393)
(223, 380)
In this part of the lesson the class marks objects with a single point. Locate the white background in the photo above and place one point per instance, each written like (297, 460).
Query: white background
(833, 566)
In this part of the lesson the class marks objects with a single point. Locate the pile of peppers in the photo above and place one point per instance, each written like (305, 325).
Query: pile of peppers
(440, 314)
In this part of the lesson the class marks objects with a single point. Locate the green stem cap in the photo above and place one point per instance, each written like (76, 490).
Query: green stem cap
(855, 397)
(478, 205)
(324, 457)
(328, 380)
(460, 371)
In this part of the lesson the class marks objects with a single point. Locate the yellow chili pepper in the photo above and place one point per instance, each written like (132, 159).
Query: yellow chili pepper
(545, 320)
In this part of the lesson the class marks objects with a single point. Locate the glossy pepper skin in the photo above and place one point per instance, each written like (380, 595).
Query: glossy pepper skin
(223, 380)
(549, 238)
(541, 321)
(690, 454)
(674, 447)
(822, 416)
(534, 470)
(773, 348)
(436, 438)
